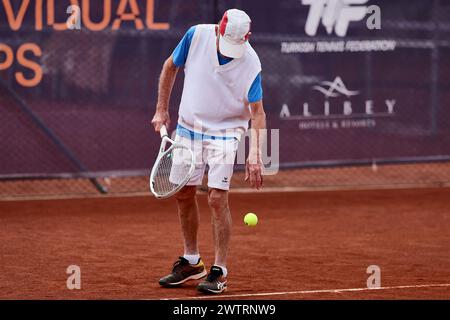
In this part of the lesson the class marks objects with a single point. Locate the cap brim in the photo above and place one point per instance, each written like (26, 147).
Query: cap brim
(230, 50)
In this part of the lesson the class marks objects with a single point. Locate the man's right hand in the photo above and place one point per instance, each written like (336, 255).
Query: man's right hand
(159, 119)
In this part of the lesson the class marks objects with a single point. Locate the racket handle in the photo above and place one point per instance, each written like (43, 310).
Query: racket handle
(163, 132)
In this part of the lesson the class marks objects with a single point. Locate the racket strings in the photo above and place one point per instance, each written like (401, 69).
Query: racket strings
(172, 171)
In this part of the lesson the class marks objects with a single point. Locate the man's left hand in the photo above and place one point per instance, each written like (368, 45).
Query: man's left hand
(254, 171)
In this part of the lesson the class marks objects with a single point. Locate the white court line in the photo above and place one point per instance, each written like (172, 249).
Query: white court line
(234, 191)
(305, 292)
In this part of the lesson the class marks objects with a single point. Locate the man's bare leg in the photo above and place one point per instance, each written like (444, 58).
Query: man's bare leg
(221, 223)
(189, 218)
(189, 268)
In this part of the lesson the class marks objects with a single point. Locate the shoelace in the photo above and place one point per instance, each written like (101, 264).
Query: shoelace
(180, 262)
(213, 275)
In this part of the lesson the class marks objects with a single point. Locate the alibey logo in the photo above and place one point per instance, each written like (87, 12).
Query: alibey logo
(347, 107)
(335, 89)
(337, 14)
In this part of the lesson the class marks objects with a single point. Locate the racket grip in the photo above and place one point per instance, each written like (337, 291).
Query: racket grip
(163, 131)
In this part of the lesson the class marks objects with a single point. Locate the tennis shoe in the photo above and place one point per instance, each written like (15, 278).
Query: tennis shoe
(214, 283)
(183, 271)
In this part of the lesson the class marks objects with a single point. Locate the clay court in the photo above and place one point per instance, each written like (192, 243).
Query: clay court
(355, 97)
(308, 245)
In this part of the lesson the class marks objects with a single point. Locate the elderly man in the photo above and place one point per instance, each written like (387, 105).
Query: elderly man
(222, 93)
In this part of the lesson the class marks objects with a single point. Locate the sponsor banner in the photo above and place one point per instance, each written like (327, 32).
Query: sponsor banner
(335, 16)
(336, 82)
(343, 113)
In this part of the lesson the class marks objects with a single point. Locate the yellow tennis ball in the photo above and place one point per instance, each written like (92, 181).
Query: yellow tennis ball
(251, 219)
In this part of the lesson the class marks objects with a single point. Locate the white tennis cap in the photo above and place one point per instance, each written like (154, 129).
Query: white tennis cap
(234, 31)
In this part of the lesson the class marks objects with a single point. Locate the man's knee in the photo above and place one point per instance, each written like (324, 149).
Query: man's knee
(217, 199)
(186, 193)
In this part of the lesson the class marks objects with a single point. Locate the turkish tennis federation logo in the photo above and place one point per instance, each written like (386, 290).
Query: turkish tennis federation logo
(335, 15)
(335, 89)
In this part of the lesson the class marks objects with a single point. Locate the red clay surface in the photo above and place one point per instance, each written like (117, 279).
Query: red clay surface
(304, 241)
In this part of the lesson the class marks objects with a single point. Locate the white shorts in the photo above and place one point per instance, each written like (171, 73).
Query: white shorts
(218, 154)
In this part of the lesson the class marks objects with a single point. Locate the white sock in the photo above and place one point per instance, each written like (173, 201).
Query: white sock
(192, 258)
(224, 270)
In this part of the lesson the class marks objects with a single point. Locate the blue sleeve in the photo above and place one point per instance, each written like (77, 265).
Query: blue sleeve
(255, 93)
(180, 53)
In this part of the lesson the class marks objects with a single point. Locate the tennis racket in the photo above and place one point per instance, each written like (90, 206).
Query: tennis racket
(173, 168)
